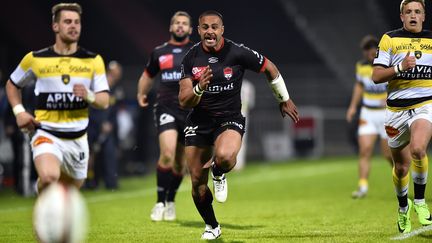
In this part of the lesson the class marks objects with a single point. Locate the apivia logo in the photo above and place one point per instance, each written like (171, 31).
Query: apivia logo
(165, 118)
(177, 50)
(213, 60)
(190, 131)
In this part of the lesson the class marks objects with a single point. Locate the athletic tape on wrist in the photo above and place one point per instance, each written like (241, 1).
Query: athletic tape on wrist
(197, 90)
(91, 97)
(18, 109)
(396, 69)
(279, 89)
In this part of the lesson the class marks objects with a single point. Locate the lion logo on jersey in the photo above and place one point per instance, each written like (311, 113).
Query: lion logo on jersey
(418, 54)
(228, 72)
(65, 78)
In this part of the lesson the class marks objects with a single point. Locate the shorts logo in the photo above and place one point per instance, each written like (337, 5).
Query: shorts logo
(165, 119)
(197, 72)
(418, 54)
(377, 53)
(232, 123)
(391, 131)
(166, 61)
(190, 131)
(65, 78)
(40, 140)
(228, 72)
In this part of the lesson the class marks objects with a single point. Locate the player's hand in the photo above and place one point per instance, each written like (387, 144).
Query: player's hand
(350, 114)
(80, 90)
(142, 100)
(205, 78)
(289, 108)
(26, 122)
(408, 62)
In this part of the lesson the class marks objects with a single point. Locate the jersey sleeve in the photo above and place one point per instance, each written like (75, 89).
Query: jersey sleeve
(186, 66)
(384, 52)
(100, 82)
(23, 73)
(357, 73)
(152, 67)
(251, 59)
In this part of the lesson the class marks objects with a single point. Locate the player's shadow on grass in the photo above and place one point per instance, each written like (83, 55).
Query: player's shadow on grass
(199, 224)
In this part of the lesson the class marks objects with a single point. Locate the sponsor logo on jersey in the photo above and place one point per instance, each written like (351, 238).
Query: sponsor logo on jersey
(213, 60)
(171, 76)
(418, 54)
(426, 47)
(415, 40)
(418, 72)
(65, 78)
(228, 73)
(219, 88)
(377, 52)
(197, 72)
(177, 50)
(61, 101)
(166, 61)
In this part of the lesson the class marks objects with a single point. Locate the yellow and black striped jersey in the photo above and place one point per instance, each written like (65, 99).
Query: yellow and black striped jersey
(413, 88)
(374, 95)
(57, 108)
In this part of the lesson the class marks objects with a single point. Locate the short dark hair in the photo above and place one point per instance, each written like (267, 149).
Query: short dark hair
(181, 13)
(405, 2)
(211, 13)
(368, 42)
(56, 9)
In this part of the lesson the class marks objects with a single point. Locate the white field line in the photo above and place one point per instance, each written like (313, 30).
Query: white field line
(412, 233)
(260, 176)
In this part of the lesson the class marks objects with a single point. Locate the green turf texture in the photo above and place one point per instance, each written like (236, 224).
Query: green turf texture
(296, 201)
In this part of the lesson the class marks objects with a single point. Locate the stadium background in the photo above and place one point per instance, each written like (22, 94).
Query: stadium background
(315, 44)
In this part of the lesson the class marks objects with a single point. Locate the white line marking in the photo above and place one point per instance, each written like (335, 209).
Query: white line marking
(412, 233)
(270, 175)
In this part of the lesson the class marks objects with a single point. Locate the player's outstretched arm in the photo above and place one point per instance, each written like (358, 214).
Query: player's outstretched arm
(355, 101)
(145, 84)
(277, 84)
(189, 95)
(25, 121)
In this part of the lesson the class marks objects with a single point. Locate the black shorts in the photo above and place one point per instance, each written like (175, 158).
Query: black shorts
(167, 118)
(202, 130)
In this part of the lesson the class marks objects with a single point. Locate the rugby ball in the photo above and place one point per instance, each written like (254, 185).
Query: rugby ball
(60, 215)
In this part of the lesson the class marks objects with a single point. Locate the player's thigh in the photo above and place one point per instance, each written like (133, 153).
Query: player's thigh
(367, 142)
(47, 166)
(65, 178)
(168, 142)
(228, 143)
(421, 132)
(196, 158)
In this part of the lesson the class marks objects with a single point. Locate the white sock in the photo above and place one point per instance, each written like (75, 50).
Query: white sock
(419, 201)
(403, 209)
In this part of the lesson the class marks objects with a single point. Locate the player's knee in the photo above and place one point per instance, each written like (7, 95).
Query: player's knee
(46, 179)
(167, 157)
(418, 152)
(225, 159)
(366, 151)
(401, 170)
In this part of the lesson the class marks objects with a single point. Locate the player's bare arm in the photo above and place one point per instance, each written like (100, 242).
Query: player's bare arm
(189, 95)
(25, 121)
(286, 105)
(381, 74)
(145, 84)
(98, 100)
(355, 101)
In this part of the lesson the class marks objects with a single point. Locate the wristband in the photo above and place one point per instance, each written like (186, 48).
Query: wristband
(90, 97)
(279, 89)
(396, 69)
(18, 109)
(197, 90)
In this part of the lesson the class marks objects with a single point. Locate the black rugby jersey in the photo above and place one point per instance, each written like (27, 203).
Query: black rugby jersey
(222, 96)
(167, 59)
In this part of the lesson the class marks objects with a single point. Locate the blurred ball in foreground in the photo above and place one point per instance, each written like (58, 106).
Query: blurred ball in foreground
(60, 215)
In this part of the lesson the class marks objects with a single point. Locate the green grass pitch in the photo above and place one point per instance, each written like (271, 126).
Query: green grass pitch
(297, 201)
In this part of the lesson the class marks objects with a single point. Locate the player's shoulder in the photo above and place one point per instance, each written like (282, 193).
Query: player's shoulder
(363, 62)
(402, 33)
(160, 47)
(84, 53)
(49, 52)
(45, 52)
